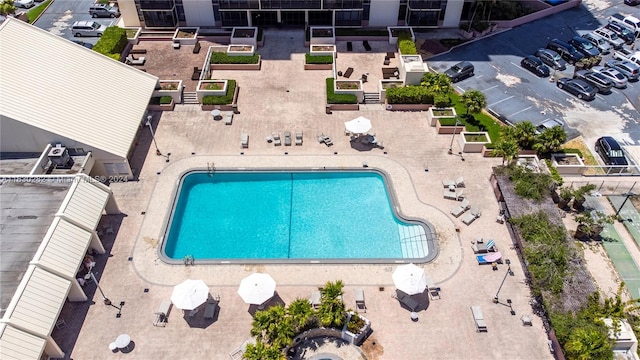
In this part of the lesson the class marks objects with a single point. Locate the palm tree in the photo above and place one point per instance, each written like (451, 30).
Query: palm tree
(507, 148)
(300, 311)
(7, 7)
(273, 326)
(262, 351)
(332, 312)
(588, 343)
(550, 140)
(438, 84)
(474, 100)
(525, 134)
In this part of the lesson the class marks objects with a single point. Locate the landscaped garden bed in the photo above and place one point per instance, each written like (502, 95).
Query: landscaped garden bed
(161, 103)
(340, 101)
(172, 88)
(434, 114)
(240, 50)
(186, 35)
(245, 36)
(396, 31)
(317, 62)
(222, 61)
(225, 102)
(568, 164)
(352, 87)
(474, 142)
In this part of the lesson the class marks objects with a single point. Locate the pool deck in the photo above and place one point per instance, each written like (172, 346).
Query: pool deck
(276, 99)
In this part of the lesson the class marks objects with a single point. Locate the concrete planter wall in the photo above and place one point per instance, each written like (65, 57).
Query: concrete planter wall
(191, 40)
(531, 162)
(322, 35)
(382, 89)
(318, 66)
(240, 50)
(412, 69)
(176, 94)
(237, 66)
(343, 107)
(394, 39)
(201, 92)
(246, 35)
(357, 339)
(473, 146)
(359, 92)
(226, 107)
(134, 40)
(433, 119)
(408, 107)
(449, 129)
(568, 164)
(322, 50)
(162, 107)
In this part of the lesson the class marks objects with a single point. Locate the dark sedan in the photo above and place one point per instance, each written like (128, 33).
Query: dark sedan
(460, 71)
(625, 34)
(579, 88)
(584, 46)
(535, 65)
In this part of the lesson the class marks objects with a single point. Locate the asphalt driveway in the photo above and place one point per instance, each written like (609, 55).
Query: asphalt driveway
(61, 14)
(515, 94)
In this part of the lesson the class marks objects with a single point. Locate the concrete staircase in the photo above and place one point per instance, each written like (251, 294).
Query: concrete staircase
(371, 98)
(190, 98)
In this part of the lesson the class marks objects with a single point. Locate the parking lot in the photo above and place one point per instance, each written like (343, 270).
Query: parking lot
(517, 95)
(61, 14)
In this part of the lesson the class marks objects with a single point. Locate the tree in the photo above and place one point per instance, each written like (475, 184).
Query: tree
(262, 351)
(438, 84)
(7, 7)
(588, 343)
(525, 134)
(273, 326)
(301, 313)
(507, 148)
(332, 312)
(550, 140)
(474, 100)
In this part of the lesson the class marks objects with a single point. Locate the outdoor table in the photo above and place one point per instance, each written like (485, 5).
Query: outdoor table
(216, 114)
(123, 341)
(452, 188)
(482, 247)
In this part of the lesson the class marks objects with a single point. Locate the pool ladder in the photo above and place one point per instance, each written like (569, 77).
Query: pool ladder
(211, 168)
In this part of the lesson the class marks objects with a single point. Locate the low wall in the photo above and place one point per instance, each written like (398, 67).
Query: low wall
(538, 15)
(227, 107)
(449, 129)
(318, 66)
(343, 107)
(408, 107)
(162, 107)
(237, 66)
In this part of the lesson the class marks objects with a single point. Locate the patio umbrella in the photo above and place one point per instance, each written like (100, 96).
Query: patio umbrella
(409, 279)
(189, 294)
(359, 125)
(257, 288)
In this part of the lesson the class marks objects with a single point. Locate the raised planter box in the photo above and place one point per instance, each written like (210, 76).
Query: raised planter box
(318, 66)
(434, 114)
(353, 87)
(240, 50)
(531, 162)
(383, 85)
(226, 107)
(408, 107)
(237, 66)
(450, 129)
(322, 50)
(245, 35)
(171, 88)
(162, 107)
(568, 164)
(186, 35)
(395, 31)
(357, 339)
(343, 107)
(133, 40)
(211, 87)
(474, 142)
(322, 35)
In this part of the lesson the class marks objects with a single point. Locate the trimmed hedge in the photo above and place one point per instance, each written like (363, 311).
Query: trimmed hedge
(406, 45)
(221, 99)
(409, 95)
(447, 121)
(112, 42)
(333, 98)
(223, 58)
(320, 59)
(161, 100)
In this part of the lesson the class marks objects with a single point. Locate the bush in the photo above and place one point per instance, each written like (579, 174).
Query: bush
(165, 100)
(448, 122)
(322, 59)
(555, 175)
(112, 42)
(406, 45)
(441, 101)
(409, 95)
(333, 98)
(573, 151)
(223, 58)
(477, 122)
(221, 99)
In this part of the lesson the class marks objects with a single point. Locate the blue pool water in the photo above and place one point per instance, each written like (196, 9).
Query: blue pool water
(283, 215)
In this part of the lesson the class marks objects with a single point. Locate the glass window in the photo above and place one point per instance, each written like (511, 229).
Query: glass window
(320, 18)
(366, 9)
(166, 19)
(343, 4)
(348, 18)
(157, 4)
(423, 18)
(402, 12)
(234, 18)
(239, 4)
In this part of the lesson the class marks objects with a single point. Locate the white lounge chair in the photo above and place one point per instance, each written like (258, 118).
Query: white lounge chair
(133, 61)
(314, 299)
(299, 138)
(478, 318)
(471, 216)
(162, 313)
(287, 138)
(359, 295)
(276, 139)
(459, 182)
(454, 195)
(244, 140)
(460, 209)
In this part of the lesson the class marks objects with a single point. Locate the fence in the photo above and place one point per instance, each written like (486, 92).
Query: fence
(607, 187)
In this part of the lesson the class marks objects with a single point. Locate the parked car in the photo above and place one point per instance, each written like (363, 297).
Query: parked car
(578, 88)
(611, 153)
(82, 43)
(628, 69)
(565, 50)
(87, 28)
(602, 44)
(460, 71)
(24, 3)
(104, 10)
(631, 22)
(548, 124)
(584, 46)
(619, 80)
(535, 65)
(632, 2)
(597, 80)
(623, 32)
(610, 36)
(627, 55)
(551, 58)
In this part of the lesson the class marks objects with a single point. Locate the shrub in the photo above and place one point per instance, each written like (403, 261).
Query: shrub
(406, 45)
(162, 100)
(223, 58)
(321, 59)
(441, 101)
(448, 122)
(409, 95)
(112, 42)
(221, 99)
(333, 98)
(555, 175)
(572, 151)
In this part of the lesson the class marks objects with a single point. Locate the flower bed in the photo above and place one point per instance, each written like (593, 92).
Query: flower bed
(568, 164)
(474, 142)
(172, 88)
(186, 35)
(333, 98)
(438, 113)
(245, 35)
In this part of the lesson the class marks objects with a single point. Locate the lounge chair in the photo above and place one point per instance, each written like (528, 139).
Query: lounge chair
(196, 73)
(196, 48)
(480, 247)
(406, 300)
(359, 295)
(212, 307)
(454, 195)
(244, 139)
(276, 139)
(287, 138)
(349, 46)
(495, 257)
(314, 299)
(460, 209)
(459, 182)
(478, 318)
(322, 138)
(471, 216)
(131, 60)
(228, 118)
(162, 313)
(348, 72)
(138, 51)
(366, 45)
(299, 138)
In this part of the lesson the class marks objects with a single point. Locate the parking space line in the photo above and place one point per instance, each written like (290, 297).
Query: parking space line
(615, 91)
(493, 87)
(499, 101)
(461, 89)
(518, 112)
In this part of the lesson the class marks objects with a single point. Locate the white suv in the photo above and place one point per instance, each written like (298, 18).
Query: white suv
(87, 28)
(610, 36)
(630, 22)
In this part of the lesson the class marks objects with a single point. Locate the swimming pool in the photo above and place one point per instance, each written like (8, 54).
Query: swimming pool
(302, 215)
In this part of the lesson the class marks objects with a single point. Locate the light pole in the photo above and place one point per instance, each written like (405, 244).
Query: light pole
(628, 195)
(104, 298)
(153, 136)
(455, 130)
(509, 272)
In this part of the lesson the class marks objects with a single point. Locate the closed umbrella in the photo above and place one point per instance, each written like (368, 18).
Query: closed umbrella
(189, 294)
(257, 288)
(410, 279)
(359, 125)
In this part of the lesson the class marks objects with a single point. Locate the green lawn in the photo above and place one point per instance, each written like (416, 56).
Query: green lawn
(477, 122)
(34, 13)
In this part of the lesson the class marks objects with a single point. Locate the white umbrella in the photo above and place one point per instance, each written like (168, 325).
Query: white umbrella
(359, 125)
(257, 288)
(409, 279)
(190, 294)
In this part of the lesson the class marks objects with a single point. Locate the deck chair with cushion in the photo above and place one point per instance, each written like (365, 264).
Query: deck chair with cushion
(406, 300)
(454, 195)
(299, 138)
(244, 139)
(228, 118)
(314, 299)
(460, 209)
(478, 318)
(131, 60)
(276, 139)
(360, 304)
(348, 72)
(471, 216)
(162, 313)
(459, 182)
(287, 138)
(482, 248)
(212, 307)
(495, 257)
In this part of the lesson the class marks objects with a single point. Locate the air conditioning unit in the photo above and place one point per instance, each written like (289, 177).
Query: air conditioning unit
(60, 157)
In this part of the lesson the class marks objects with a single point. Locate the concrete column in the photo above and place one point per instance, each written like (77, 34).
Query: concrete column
(249, 18)
(96, 243)
(279, 16)
(452, 14)
(112, 206)
(76, 293)
(52, 349)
